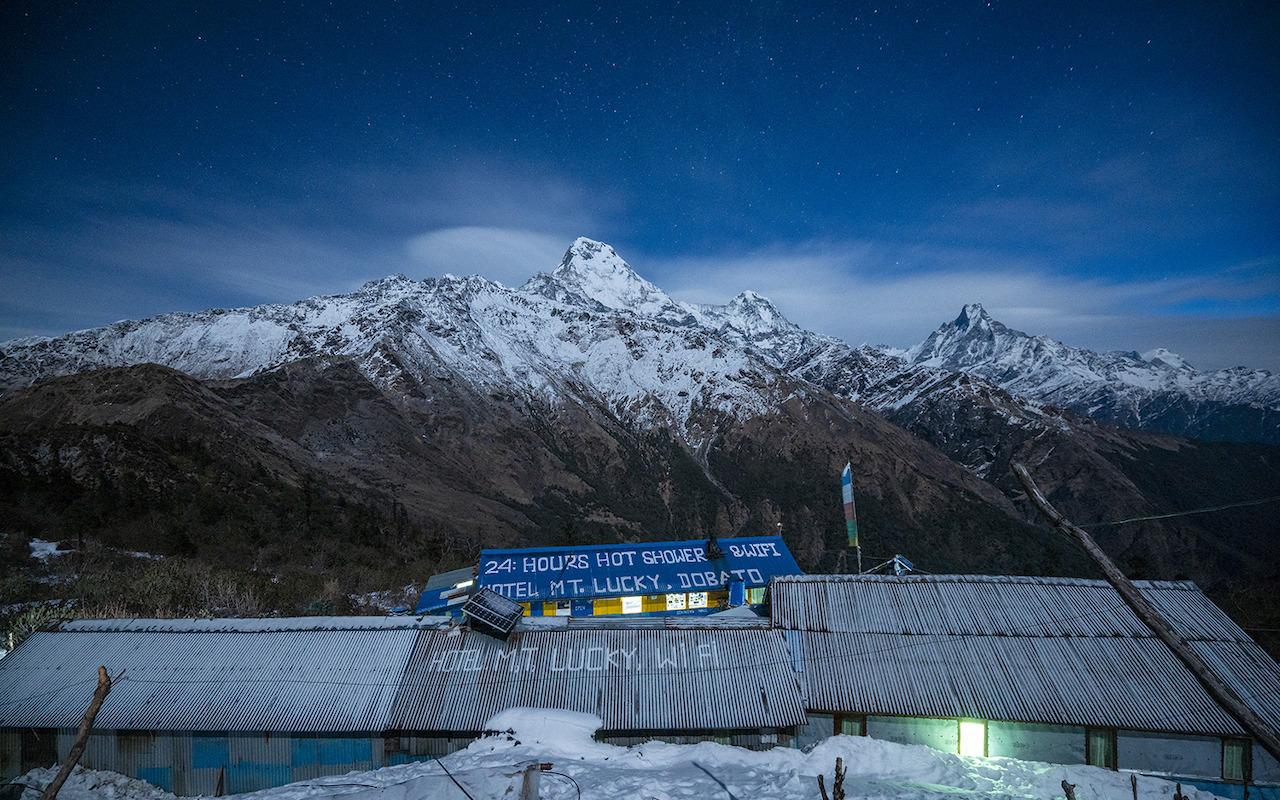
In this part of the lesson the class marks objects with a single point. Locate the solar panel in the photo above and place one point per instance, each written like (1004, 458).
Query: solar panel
(491, 610)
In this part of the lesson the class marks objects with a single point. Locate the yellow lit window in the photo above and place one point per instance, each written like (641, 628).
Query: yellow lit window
(606, 606)
(973, 737)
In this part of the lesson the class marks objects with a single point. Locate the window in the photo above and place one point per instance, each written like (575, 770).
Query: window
(755, 596)
(851, 725)
(973, 737)
(1236, 760)
(632, 605)
(675, 602)
(697, 600)
(563, 607)
(1100, 747)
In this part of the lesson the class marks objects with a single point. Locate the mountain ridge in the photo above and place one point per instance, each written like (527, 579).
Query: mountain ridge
(455, 413)
(1153, 391)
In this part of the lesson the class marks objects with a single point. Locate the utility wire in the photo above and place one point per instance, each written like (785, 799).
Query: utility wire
(1185, 513)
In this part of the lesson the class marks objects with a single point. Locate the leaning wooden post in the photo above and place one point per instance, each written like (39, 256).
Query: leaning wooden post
(82, 736)
(1228, 699)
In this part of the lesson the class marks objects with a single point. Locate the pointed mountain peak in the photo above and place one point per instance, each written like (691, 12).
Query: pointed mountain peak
(972, 335)
(972, 315)
(595, 271)
(755, 315)
(757, 305)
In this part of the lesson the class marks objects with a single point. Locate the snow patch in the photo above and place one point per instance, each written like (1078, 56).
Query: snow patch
(492, 767)
(546, 725)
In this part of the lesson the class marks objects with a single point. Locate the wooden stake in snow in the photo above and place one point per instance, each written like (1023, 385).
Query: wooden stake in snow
(1226, 697)
(82, 735)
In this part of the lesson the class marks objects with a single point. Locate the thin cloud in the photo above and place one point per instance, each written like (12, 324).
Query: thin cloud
(869, 292)
(509, 256)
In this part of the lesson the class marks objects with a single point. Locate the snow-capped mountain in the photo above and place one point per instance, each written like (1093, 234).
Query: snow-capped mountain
(589, 402)
(592, 328)
(585, 400)
(1156, 390)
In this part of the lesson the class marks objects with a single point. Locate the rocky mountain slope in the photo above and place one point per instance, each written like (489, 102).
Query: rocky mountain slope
(421, 420)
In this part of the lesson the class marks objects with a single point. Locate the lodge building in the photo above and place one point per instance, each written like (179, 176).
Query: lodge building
(1049, 669)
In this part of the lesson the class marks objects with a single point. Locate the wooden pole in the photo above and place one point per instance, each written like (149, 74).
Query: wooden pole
(82, 735)
(1221, 692)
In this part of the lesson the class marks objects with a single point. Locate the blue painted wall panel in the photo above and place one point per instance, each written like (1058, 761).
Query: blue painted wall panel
(304, 751)
(210, 751)
(157, 776)
(247, 776)
(336, 751)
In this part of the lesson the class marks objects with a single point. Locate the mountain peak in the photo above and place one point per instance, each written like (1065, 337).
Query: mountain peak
(1161, 357)
(597, 272)
(972, 315)
(973, 335)
(757, 305)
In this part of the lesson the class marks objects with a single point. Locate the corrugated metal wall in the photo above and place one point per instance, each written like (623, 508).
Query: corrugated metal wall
(188, 763)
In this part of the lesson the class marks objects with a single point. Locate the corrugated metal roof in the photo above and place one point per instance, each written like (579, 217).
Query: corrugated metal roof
(1117, 681)
(1056, 650)
(633, 678)
(215, 675)
(258, 625)
(953, 604)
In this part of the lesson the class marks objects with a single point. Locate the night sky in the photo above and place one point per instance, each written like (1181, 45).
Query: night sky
(1104, 173)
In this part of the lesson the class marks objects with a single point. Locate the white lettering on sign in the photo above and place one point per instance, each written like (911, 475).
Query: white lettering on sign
(680, 555)
(519, 590)
(681, 656)
(757, 550)
(646, 570)
(708, 580)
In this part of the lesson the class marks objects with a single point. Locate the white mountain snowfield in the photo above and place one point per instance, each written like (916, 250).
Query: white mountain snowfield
(492, 768)
(595, 330)
(1047, 370)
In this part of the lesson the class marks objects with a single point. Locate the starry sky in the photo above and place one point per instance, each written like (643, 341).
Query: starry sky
(1107, 174)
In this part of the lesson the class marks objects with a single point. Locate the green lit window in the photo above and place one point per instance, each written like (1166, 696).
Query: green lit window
(1235, 760)
(851, 725)
(1100, 747)
(973, 737)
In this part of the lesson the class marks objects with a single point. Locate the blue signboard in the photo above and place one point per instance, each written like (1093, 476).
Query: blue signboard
(568, 573)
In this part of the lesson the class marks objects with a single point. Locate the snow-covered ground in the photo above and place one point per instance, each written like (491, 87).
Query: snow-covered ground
(492, 768)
